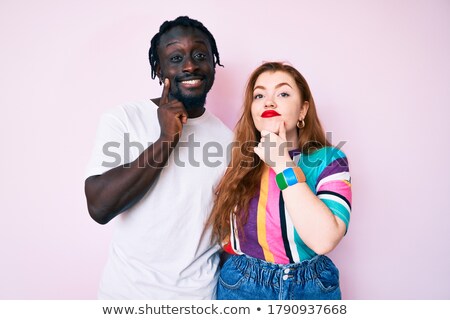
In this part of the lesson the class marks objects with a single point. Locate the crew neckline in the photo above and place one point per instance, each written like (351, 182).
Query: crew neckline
(195, 121)
(192, 121)
(294, 152)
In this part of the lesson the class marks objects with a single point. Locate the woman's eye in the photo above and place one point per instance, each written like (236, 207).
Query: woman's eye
(258, 96)
(284, 94)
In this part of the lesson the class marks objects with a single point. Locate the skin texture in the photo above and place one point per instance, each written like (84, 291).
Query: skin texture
(184, 54)
(315, 223)
(277, 91)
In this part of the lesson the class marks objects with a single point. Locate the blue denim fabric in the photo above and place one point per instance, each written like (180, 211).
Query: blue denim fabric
(246, 278)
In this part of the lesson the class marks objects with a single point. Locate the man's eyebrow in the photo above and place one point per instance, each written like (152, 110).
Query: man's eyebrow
(276, 87)
(177, 41)
(200, 41)
(172, 43)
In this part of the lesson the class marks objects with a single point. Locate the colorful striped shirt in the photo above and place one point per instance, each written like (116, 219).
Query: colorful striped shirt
(269, 233)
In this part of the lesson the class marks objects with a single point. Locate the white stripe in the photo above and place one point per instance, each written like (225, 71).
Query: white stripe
(335, 199)
(337, 176)
(234, 236)
(296, 158)
(290, 234)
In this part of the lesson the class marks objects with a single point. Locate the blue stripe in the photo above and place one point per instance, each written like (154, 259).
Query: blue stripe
(304, 252)
(338, 210)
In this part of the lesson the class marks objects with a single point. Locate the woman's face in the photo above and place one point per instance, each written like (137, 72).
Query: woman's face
(277, 98)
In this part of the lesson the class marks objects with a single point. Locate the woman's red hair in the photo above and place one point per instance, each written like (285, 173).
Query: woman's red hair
(242, 178)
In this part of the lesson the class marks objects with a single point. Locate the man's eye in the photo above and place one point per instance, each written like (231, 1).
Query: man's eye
(176, 59)
(200, 56)
(258, 96)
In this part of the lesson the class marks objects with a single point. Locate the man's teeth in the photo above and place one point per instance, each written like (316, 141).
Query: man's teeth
(191, 81)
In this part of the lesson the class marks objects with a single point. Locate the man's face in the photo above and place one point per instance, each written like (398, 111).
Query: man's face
(185, 58)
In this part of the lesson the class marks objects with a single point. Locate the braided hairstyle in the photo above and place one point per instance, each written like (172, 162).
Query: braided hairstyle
(184, 21)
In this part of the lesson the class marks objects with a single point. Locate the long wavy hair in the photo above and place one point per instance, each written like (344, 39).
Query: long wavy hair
(242, 178)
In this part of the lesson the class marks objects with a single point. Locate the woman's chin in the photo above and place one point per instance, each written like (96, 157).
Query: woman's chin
(271, 127)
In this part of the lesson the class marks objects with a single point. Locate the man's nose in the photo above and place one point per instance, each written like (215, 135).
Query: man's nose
(189, 65)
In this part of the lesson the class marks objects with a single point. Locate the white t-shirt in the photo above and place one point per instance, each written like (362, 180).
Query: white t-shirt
(160, 247)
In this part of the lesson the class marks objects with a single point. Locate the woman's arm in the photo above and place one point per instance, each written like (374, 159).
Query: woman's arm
(319, 228)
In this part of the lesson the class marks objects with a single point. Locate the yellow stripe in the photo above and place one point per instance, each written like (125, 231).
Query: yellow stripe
(261, 221)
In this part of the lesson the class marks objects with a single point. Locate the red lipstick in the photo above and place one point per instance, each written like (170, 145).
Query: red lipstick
(270, 114)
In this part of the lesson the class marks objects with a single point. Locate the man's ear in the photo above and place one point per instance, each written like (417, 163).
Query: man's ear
(159, 74)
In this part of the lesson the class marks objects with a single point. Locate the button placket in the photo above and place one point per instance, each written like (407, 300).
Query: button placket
(286, 274)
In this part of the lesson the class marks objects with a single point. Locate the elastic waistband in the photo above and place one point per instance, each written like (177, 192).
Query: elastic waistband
(271, 273)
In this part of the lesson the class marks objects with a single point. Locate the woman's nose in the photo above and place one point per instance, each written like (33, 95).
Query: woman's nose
(270, 104)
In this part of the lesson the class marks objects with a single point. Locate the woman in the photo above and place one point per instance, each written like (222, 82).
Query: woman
(285, 199)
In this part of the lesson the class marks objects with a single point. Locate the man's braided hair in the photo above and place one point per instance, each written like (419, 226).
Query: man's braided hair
(183, 21)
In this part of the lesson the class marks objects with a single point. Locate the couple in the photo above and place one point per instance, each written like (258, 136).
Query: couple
(273, 210)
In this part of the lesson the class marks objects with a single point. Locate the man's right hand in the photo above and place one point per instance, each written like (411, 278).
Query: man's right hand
(171, 115)
(122, 187)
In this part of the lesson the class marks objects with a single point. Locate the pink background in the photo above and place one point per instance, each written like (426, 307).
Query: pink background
(380, 75)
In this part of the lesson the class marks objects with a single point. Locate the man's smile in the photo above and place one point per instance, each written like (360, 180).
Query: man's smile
(191, 83)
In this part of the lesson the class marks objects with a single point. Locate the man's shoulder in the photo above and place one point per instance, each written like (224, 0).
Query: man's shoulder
(214, 120)
(219, 128)
(133, 107)
(131, 112)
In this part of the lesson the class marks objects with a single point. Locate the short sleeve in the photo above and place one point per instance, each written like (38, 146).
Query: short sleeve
(108, 152)
(333, 185)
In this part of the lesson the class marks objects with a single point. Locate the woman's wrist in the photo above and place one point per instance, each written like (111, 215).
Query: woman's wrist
(283, 164)
(289, 177)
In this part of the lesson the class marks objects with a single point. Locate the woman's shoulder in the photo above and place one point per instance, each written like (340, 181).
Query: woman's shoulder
(330, 153)
(322, 157)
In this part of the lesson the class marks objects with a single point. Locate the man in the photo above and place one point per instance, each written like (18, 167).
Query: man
(161, 248)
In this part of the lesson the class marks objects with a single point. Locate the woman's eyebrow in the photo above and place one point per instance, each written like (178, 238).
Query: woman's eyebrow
(277, 86)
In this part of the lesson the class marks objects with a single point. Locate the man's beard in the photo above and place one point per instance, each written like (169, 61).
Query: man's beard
(191, 102)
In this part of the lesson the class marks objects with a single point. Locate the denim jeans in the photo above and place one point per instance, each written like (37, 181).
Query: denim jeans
(246, 278)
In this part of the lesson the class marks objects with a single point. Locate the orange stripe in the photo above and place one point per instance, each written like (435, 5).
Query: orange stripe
(299, 174)
(261, 221)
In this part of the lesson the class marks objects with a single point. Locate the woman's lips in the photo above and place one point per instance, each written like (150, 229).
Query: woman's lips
(270, 114)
